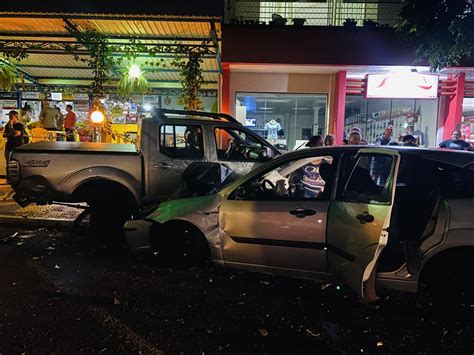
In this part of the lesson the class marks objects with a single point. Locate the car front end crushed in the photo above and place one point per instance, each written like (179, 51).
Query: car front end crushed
(201, 212)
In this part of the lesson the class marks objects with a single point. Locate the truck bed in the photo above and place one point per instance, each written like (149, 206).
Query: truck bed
(52, 171)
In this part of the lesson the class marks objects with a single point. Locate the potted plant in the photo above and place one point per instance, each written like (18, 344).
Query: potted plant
(350, 23)
(370, 24)
(278, 20)
(132, 81)
(299, 21)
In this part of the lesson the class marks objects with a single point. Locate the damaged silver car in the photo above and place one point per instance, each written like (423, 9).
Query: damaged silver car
(369, 217)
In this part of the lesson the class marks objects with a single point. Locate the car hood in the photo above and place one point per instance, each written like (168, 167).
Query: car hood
(180, 208)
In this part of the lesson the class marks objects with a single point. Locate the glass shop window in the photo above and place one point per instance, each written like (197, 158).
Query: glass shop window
(285, 120)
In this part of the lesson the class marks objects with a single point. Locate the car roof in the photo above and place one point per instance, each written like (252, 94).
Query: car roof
(452, 157)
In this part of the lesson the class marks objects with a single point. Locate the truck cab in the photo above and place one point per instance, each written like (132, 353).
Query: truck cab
(174, 139)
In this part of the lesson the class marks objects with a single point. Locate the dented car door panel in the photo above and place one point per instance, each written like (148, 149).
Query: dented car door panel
(268, 233)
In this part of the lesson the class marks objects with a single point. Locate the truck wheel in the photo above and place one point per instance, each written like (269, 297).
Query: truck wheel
(184, 246)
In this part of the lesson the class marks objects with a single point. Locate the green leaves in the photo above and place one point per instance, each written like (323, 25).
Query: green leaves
(128, 85)
(8, 76)
(441, 30)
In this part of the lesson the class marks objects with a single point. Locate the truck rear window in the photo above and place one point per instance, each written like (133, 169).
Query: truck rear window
(183, 141)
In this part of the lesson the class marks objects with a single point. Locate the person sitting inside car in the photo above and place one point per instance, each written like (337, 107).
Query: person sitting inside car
(307, 182)
(194, 145)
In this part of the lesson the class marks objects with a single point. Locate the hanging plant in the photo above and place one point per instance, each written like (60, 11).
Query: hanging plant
(101, 60)
(132, 81)
(8, 76)
(192, 79)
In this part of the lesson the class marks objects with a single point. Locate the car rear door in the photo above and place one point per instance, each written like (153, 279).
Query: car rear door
(359, 219)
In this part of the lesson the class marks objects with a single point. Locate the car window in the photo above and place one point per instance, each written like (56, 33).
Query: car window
(454, 182)
(181, 141)
(301, 179)
(238, 145)
(368, 182)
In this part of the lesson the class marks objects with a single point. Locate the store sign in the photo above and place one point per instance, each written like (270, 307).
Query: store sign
(81, 97)
(402, 86)
(30, 95)
(12, 104)
(151, 99)
(56, 96)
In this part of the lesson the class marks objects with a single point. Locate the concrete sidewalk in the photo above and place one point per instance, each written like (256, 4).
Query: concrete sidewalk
(32, 215)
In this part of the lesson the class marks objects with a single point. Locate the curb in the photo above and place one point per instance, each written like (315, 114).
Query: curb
(7, 220)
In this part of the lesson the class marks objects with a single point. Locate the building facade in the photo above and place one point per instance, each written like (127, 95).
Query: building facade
(343, 67)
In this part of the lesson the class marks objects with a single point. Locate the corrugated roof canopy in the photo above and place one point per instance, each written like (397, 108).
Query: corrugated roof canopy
(45, 35)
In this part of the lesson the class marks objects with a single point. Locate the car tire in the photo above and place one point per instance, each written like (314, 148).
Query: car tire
(183, 246)
(445, 287)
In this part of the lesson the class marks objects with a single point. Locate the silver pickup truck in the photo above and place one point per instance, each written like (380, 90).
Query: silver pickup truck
(120, 180)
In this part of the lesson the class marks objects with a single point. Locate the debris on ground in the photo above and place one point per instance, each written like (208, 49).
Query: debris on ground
(57, 266)
(312, 334)
(263, 332)
(4, 240)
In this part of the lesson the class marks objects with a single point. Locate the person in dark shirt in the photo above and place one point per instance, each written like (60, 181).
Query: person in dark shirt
(409, 140)
(13, 132)
(386, 137)
(455, 143)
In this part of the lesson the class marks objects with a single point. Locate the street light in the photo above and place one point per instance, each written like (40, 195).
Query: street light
(134, 71)
(97, 117)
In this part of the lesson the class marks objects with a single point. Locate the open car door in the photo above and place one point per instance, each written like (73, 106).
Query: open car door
(359, 218)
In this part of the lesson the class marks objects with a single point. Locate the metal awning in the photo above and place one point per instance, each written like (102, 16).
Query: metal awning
(48, 63)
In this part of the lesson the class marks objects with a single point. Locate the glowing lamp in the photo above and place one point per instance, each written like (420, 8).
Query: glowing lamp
(134, 71)
(97, 117)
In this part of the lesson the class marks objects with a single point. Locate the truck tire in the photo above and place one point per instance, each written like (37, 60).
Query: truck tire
(111, 205)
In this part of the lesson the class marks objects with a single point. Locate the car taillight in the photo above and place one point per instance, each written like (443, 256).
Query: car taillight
(14, 171)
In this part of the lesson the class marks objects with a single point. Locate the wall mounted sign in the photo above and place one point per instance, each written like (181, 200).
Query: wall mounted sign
(56, 96)
(81, 97)
(402, 86)
(30, 95)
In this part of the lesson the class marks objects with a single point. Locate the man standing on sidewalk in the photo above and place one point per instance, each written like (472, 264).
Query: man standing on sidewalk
(47, 117)
(69, 123)
(13, 132)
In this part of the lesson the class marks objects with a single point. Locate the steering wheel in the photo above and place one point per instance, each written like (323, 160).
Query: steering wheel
(231, 149)
(263, 184)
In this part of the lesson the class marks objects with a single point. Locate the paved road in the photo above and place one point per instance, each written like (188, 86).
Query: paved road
(60, 295)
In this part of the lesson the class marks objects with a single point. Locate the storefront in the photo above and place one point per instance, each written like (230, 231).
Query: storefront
(467, 121)
(409, 102)
(282, 105)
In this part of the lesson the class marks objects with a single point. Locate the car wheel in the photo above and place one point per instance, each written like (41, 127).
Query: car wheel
(184, 246)
(445, 288)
